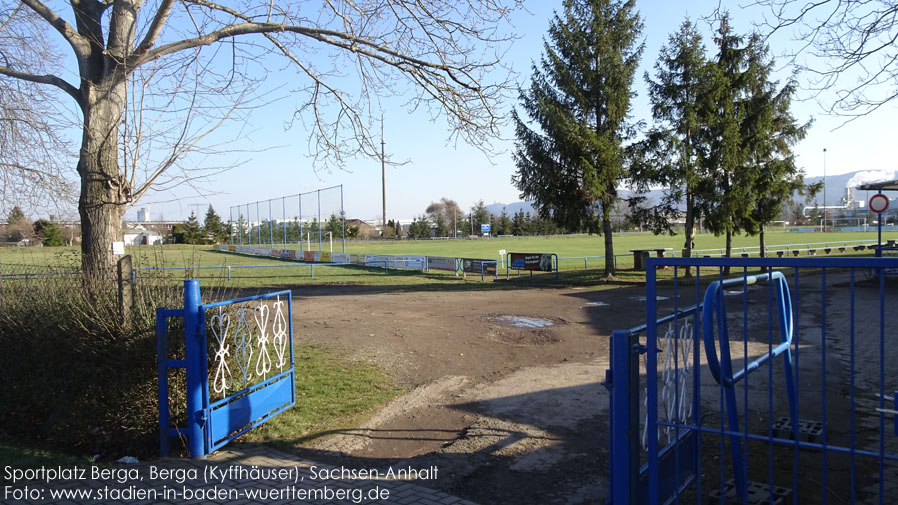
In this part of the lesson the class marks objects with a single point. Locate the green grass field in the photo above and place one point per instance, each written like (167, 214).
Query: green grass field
(213, 263)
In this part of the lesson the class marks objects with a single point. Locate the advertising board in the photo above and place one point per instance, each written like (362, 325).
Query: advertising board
(531, 261)
(473, 265)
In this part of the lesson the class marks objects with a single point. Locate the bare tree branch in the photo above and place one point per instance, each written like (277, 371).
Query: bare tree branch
(847, 48)
(78, 43)
(42, 79)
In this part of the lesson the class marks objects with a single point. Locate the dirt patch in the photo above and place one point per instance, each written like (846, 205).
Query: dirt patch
(515, 412)
(505, 394)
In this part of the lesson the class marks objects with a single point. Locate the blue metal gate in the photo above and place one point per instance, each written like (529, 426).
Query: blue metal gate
(248, 363)
(773, 384)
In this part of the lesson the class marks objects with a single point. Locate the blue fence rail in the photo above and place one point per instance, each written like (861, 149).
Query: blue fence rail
(772, 384)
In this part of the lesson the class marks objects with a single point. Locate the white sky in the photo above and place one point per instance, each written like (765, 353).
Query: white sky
(437, 169)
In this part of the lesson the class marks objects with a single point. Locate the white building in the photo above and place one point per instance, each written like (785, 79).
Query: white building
(143, 214)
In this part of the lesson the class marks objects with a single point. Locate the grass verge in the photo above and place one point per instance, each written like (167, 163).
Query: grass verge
(332, 392)
(18, 456)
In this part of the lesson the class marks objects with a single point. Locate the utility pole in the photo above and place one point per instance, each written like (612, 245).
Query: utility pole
(195, 208)
(824, 189)
(383, 171)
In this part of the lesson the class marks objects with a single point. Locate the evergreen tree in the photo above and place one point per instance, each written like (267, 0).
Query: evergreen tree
(770, 133)
(503, 224)
(15, 215)
(728, 179)
(213, 228)
(579, 97)
(479, 216)
(518, 223)
(17, 225)
(677, 95)
(48, 232)
(334, 225)
(420, 228)
(311, 229)
(390, 230)
(191, 231)
(441, 228)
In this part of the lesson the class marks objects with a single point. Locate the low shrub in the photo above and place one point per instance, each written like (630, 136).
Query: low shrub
(73, 373)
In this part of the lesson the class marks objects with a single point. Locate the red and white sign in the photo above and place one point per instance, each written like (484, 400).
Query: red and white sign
(879, 203)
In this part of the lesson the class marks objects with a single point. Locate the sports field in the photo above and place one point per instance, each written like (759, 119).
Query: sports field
(579, 255)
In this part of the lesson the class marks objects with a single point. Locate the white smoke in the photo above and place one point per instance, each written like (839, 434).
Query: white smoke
(868, 176)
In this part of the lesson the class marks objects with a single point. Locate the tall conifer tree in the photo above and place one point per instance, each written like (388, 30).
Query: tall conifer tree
(769, 135)
(578, 100)
(677, 95)
(728, 178)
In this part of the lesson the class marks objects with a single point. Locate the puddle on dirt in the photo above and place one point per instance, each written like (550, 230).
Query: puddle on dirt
(597, 304)
(524, 322)
(642, 298)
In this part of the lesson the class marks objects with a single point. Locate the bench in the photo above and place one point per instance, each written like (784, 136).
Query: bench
(641, 255)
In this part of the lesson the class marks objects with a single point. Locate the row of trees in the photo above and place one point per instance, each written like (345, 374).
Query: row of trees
(720, 141)
(46, 231)
(212, 231)
(146, 88)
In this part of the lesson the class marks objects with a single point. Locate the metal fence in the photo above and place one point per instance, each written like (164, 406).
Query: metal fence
(304, 219)
(774, 383)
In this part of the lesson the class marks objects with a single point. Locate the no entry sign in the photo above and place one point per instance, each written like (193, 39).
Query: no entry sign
(879, 203)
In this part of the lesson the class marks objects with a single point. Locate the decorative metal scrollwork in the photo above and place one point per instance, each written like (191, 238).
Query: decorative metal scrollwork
(220, 324)
(257, 346)
(675, 406)
(263, 361)
(243, 345)
(279, 334)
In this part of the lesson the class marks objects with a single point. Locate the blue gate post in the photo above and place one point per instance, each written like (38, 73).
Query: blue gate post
(195, 355)
(624, 429)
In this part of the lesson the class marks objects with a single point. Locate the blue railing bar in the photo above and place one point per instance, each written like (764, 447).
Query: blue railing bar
(245, 299)
(866, 262)
(780, 441)
(162, 312)
(676, 315)
(754, 365)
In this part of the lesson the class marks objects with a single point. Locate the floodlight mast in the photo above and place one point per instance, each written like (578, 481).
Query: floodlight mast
(383, 172)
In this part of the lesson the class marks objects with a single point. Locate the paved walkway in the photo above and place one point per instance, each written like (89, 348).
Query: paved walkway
(239, 475)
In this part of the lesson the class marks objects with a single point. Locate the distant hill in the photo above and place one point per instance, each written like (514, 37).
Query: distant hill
(511, 208)
(835, 190)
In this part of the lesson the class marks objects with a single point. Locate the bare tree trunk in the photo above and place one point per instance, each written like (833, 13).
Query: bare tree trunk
(609, 244)
(104, 192)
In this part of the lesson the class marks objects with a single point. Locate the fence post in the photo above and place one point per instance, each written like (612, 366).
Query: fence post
(125, 288)
(195, 355)
(624, 453)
